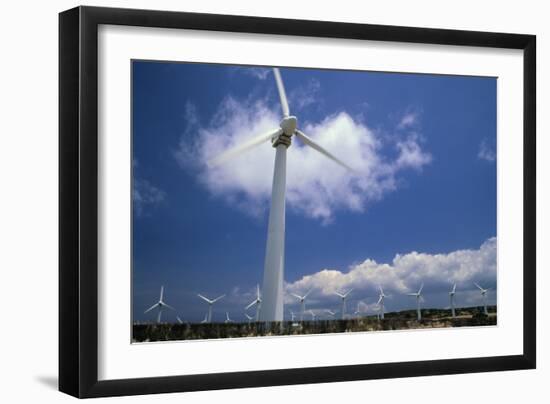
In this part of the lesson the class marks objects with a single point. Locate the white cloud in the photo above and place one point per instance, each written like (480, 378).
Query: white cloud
(145, 194)
(405, 274)
(316, 186)
(408, 120)
(486, 152)
(304, 96)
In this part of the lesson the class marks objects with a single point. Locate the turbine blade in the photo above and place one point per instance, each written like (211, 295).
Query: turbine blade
(421, 287)
(250, 305)
(282, 93)
(454, 288)
(479, 287)
(349, 291)
(161, 293)
(379, 300)
(307, 294)
(308, 141)
(296, 296)
(258, 291)
(205, 298)
(336, 293)
(170, 307)
(217, 298)
(243, 147)
(412, 294)
(150, 308)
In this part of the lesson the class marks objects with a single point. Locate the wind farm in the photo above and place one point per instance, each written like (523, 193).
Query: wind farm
(279, 201)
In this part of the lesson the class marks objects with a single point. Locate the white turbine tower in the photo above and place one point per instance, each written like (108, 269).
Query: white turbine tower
(380, 302)
(257, 302)
(160, 304)
(281, 137)
(302, 303)
(484, 298)
(210, 304)
(452, 300)
(343, 297)
(418, 296)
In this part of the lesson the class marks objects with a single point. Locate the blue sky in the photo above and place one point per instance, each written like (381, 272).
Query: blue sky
(421, 208)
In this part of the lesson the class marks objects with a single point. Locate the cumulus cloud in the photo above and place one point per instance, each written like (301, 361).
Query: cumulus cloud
(144, 195)
(316, 186)
(406, 273)
(486, 152)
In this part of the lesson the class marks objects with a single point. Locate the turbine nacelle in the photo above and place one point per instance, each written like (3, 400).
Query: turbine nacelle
(289, 125)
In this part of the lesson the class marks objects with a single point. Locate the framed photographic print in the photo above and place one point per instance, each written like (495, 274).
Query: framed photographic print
(238, 194)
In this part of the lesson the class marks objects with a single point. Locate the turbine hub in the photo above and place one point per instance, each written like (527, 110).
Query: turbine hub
(288, 125)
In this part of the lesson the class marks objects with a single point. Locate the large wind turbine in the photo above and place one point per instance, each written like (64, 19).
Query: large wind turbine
(452, 300)
(280, 138)
(210, 304)
(343, 297)
(257, 302)
(484, 297)
(302, 303)
(380, 302)
(418, 296)
(160, 304)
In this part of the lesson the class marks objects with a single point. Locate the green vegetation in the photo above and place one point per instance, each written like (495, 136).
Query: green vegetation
(404, 320)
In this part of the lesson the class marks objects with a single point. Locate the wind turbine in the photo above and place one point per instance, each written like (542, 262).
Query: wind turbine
(484, 297)
(210, 304)
(160, 304)
(227, 319)
(343, 297)
(250, 318)
(302, 303)
(452, 299)
(330, 313)
(418, 296)
(257, 302)
(380, 302)
(280, 138)
(312, 315)
(292, 316)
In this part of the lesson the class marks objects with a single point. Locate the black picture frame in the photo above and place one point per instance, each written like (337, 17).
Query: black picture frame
(78, 201)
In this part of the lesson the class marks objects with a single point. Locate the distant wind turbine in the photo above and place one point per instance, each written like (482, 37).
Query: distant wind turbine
(452, 300)
(210, 304)
(257, 302)
(302, 303)
(227, 319)
(250, 318)
(330, 313)
(484, 298)
(380, 302)
(292, 316)
(343, 296)
(280, 138)
(160, 304)
(312, 315)
(418, 296)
